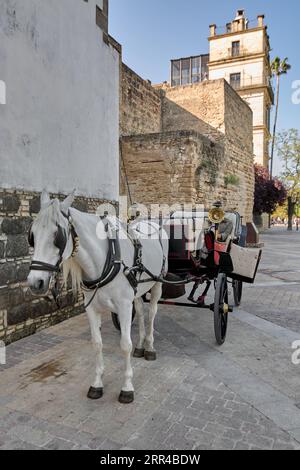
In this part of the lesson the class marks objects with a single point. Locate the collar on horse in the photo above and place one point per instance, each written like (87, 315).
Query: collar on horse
(113, 261)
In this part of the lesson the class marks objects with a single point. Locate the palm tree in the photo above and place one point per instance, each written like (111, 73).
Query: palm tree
(279, 67)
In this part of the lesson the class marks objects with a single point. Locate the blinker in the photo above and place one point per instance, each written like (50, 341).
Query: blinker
(60, 240)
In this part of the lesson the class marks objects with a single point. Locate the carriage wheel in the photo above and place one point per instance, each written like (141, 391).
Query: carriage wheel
(237, 292)
(221, 309)
(115, 319)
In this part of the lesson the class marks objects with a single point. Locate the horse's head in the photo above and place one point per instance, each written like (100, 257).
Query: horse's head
(50, 238)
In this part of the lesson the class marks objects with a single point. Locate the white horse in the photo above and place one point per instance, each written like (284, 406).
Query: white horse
(52, 236)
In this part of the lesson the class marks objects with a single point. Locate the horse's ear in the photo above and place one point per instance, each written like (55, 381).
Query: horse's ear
(66, 204)
(45, 199)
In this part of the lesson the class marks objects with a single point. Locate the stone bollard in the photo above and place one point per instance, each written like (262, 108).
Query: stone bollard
(2, 354)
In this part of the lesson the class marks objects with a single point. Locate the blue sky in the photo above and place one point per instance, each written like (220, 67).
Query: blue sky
(153, 32)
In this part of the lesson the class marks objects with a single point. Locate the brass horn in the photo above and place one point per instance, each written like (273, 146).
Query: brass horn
(216, 215)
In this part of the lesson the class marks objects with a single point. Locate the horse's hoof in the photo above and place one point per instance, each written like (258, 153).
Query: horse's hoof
(139, 353)
(150, 355)
(95, 393)
(126, 397)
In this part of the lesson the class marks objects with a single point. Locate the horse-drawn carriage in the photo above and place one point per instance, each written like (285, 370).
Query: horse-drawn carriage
(202, 248)
(207, 248)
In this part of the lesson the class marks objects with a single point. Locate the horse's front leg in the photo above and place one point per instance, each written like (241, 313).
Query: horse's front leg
(139, 308)
(96, 390)
(156, 292)
(125, 317)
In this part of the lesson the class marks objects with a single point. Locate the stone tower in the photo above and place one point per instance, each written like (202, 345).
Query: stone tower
(240, 54)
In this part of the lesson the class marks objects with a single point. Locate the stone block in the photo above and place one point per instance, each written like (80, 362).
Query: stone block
(10, 203)
(7, 273)
(2, 249)
(17, 246)
(18, 314)
(4, 298)
(16, 297)
(22, 272)
(81, 205)
(42, 308)
(16, 226)
(35, 205)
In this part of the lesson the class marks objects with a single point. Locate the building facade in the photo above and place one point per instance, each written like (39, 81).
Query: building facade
(59, 130)
(239, 53)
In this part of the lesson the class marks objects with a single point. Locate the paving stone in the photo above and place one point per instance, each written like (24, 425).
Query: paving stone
(30, 435)
(223, 444)
(260, 441)
(194, 396)
(60, 444)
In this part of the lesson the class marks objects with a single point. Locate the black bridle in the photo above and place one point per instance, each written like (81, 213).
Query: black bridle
(60, 241)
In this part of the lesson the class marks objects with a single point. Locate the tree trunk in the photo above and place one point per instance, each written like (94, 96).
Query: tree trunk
(275, 125)
(291, 212)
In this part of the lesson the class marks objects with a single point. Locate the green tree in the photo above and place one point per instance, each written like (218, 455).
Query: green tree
(288, 148)
(279, 67)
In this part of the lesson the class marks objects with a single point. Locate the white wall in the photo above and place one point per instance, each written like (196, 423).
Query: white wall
(252, 71)
(257, 104)
(251, 42)
(59, 128)
(259, 147)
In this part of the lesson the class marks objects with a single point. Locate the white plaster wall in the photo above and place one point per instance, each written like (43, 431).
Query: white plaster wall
(252, 71)
(59, 128)
(259, 146)
(257, 104)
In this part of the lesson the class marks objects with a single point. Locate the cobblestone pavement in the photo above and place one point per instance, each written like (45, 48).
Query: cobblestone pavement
(276, 294)
(245, 395)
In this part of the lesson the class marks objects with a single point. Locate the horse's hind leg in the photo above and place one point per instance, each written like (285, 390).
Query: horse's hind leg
(96, 390)
(156, 292)
(139, 308)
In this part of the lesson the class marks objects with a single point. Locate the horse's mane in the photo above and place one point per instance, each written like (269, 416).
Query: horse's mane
(72, 269)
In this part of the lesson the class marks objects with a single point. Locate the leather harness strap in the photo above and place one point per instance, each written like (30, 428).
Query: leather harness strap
(41, 266)
(113, 262)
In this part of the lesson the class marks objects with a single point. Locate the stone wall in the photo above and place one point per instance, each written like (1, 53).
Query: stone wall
(20, 313)
(198, 107)
(210, 112)
(140, 105)
(174, 167)
(239, 149)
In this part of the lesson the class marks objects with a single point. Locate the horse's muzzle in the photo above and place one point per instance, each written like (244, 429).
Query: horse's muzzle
(39, 285)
